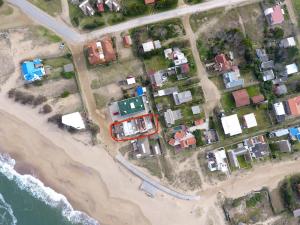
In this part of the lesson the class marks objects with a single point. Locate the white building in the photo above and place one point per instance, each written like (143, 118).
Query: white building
(288, 42)
(148, 46)
(250, 120)
(291, 69)
(73, 120)
(279, 109)
(217, 161)
(231, 125)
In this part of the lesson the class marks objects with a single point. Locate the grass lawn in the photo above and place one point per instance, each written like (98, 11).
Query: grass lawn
(45, 33)
(261, 116)
(243, 163)
(6, 10)
(156, 63)
(253, 90)
(296, 4)
(57, 62)
(227, 102)
(52, 7)
(218, 81)
(198, 18)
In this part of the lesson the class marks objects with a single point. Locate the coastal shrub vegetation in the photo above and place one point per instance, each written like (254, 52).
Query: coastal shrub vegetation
(46, 109)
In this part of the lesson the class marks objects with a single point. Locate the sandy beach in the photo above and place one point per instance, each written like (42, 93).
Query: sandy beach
(92, 181)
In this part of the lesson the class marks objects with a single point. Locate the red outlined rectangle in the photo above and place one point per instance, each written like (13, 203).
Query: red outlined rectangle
(156, 124)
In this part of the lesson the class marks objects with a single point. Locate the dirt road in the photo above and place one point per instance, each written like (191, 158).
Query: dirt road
(89, 100)
(72, 35)
(211, 92)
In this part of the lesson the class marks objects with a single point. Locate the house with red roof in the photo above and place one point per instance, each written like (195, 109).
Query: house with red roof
(257, 99)
(183, 139)
(149, 2)
(222, 63)
(101, 52)
(100, 7)
(241, 98)
(274, 15)
(294, 106)
(127, 41)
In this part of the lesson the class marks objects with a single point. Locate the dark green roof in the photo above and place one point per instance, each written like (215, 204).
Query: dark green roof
(131, 105)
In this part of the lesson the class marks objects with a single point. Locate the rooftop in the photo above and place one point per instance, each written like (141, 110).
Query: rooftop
(257, 99)
(222, 62)
(241, 98)
(33, 70)
(294, 106)
(73, 120)
(231, 125)
(250, 120)
(131, 105)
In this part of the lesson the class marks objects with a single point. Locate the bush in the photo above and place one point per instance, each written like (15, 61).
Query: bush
(68, 75)
(252, 202)
(56, 119)
(198, 136)
(94, 128)
(27, 99)
(65, 94)
(11, 93)
(39, 100)
(38, 83)
(1, 3)
(46, 109)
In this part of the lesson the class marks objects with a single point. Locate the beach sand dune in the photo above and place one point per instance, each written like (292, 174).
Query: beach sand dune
(87, 175)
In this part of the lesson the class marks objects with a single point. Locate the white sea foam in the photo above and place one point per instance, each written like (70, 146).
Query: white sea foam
(43, 193)
(7, 209)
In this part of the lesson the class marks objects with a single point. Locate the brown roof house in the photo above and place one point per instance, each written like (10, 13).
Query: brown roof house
(257, 99)
(101, 52)
(241, 98)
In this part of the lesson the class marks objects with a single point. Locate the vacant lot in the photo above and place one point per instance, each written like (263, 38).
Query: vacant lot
(115, 72)
(52, 7)
(296, 4)
(252, 208)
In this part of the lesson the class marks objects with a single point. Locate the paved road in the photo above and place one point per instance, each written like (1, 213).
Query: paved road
(72, 35)
(155, 184)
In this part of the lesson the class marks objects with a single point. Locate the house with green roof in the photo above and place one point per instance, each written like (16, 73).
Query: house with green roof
(131, 105)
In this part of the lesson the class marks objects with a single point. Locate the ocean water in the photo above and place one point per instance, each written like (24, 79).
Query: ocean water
(24, 200)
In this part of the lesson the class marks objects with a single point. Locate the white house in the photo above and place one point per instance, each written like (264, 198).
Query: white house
(291, 69)
(73, 120)
(231, 125)
(288, 42)
(250, 120)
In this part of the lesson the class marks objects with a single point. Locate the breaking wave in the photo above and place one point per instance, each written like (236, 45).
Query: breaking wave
(7, 216)
(41, 192)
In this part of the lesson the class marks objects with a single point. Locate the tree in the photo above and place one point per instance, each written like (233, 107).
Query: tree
(198, 136)
(65, 94)
(46, 109)
(1, 3)
(278, 33)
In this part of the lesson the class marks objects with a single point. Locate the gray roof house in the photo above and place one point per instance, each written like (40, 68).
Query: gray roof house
(86, 8)
(267, 65)
(268, 75)
(68, 67)
(284, 146)
(141, 148)
(280, 89)
(182, 97)
(262, 55)
(232, 79)
(171, 116)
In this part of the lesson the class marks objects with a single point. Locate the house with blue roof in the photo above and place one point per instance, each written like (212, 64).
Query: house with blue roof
(33, 70)
(295, 133)
(232, 79)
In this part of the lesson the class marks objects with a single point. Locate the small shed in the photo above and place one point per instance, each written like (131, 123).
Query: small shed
(196, 109)
(69, 67)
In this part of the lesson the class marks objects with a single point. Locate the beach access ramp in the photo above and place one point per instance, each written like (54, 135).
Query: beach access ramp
(150, 184)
